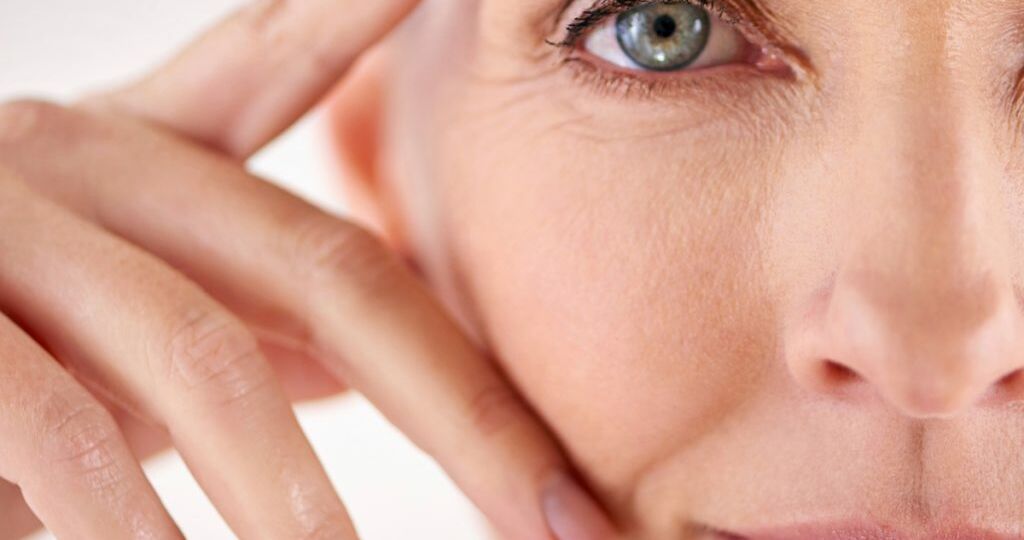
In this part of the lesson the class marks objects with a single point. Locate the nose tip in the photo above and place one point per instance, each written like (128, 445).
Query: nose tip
(925, 359)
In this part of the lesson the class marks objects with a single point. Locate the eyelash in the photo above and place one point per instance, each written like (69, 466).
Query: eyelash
(604, 9)
(656, 86)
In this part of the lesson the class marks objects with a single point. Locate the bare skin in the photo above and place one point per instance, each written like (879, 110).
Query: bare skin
(773, 294)
(153, 292)
(773, 289)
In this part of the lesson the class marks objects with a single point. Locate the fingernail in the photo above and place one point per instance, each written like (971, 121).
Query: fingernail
(571, 513)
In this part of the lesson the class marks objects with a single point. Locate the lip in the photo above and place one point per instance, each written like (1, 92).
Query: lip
(863, 531)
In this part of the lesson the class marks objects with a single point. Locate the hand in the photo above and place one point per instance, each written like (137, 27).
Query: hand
(149, 284)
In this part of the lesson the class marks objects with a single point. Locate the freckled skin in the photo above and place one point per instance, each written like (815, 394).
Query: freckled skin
(784, 298)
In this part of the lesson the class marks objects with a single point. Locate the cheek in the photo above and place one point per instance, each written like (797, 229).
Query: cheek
(617, 280)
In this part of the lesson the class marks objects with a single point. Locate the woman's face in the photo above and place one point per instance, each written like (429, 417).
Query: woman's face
(777, 286)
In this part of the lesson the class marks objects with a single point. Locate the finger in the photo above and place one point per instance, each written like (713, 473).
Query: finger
(286, 265)
(18, 519)
(302, 375)
(254, 74)
(302, 378)
(144, 436)
(138, 329)
(65, 452)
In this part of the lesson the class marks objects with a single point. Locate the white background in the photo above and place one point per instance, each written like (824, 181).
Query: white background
(61, 48)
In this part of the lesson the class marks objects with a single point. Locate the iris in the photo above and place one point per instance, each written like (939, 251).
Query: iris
(665, 36)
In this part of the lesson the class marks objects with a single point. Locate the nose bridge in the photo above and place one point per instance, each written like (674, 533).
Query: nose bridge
(921, 217)
(922, 303)
(913, 112)
(926, 215)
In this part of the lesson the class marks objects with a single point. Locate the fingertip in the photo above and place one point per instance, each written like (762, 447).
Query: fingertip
(571, 513)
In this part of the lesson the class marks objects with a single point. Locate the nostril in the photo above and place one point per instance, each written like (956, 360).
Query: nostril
(836, 374)
(834, 378)
(1009, 387)
(1010, 379)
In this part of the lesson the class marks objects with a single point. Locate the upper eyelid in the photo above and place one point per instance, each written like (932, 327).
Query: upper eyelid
(600, 10)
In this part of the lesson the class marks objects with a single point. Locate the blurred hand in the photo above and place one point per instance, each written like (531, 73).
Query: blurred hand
(153, 293)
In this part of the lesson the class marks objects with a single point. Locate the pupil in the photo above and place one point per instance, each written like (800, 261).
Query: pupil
(664, 26)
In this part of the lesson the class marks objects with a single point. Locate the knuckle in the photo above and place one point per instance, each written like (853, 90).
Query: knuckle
(266, 15)
(276, 25)
(272, 24)
(338, 254)
(80, 436)
(212, 353)
(320, 517)
(495, 408)
(26, 119)
(326, 527)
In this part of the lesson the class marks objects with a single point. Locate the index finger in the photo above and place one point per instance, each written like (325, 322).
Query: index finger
(255, 73)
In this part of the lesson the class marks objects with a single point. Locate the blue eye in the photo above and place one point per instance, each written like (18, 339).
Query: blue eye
(667, 36)
(663, 37)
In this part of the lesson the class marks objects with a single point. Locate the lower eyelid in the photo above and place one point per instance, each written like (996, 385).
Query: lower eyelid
(609, 106)
(670, 87)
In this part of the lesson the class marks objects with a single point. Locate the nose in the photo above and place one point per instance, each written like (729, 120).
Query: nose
(919, 306)
(928, 345)
(921, 311)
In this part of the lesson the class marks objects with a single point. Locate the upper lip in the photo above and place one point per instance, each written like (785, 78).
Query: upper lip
(867, 531)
